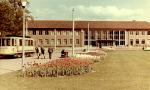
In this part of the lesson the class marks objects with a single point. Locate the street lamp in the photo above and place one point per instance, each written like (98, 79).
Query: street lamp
(23, 2)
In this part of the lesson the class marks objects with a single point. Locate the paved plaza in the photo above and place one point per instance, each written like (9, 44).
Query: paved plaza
(13, 64)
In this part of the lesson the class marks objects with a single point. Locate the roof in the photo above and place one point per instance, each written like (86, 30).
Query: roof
(93, 24)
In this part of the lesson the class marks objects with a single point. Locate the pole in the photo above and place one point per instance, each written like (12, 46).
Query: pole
(26, 24)
(88, 37)
(73, 32)
(55, 39)
(23, 40)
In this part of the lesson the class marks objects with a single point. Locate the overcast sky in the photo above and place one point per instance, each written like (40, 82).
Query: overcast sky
(91, 9)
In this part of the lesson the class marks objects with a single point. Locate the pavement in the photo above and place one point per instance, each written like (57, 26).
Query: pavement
(14, 64)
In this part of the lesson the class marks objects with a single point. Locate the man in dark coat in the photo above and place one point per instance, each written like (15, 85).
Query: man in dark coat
(43, 52)
(50, 51)
(37, 51)
(63, 53)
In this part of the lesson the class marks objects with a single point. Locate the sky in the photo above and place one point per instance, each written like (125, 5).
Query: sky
(110, 10)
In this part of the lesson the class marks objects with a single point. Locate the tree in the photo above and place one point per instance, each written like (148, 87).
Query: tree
(6, 16)
(11, 19)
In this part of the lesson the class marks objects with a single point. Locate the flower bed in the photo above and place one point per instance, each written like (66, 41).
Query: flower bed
(94, 56)
(59, 67)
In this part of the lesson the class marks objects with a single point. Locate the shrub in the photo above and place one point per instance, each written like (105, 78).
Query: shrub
(59, 67)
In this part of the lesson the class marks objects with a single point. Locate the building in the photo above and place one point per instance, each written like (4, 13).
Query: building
(101, 33)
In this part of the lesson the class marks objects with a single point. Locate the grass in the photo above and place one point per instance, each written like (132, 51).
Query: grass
(121, 70)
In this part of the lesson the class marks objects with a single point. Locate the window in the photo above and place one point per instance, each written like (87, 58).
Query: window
(58, 32)
(122, 42)
(116, 35)
(70, 32)
(131, 42)
(122, 32)
(47, 41)
(137, 33)
(65, 41)
(117, 32)
(77, 41)
(143, 41)
(59, 42)
(67, 32)
(20, 42)
(40, 41)
(104, 35)
(148, 32)
(31, 42)
(64, 32)
(137, 41)
(13, 42)
(77, 33)
(46, 32)
(8, 42)
(131, 32)
(117, 43)
(70, 41)
(52, 33)
(40, 32)
(3, 42)
(122, 37)
(0, 42)
(143, 32)
(34, 32)
(52, 41)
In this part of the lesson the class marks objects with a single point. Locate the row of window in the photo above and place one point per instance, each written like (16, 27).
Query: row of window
(58, 32)
(105, 34)
(27, 42)
(137, 41)
(58, 41)
(139, 32)
(12, 42)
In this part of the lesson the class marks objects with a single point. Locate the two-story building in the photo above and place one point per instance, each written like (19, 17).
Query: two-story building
(101, 33)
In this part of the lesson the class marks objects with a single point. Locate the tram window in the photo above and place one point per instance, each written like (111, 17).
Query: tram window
(31, 42)
(15, 42)
(7, 42)
(3, 42)
(20, 42)
(0, 42)
(12, 42)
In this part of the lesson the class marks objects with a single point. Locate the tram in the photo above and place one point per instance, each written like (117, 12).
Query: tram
(12, 46)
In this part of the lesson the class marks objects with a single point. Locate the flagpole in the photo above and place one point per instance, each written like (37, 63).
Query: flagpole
(73, 32)
(88, 36)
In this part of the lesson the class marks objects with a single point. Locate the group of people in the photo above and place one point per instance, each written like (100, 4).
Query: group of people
(40, 51)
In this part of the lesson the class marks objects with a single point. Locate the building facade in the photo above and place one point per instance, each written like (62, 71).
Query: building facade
(99, 33)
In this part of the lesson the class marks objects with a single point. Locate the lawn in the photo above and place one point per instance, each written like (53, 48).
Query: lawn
(121, 70)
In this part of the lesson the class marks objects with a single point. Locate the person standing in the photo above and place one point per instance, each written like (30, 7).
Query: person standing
(43, 52)
(50, 51)
(37, 51)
